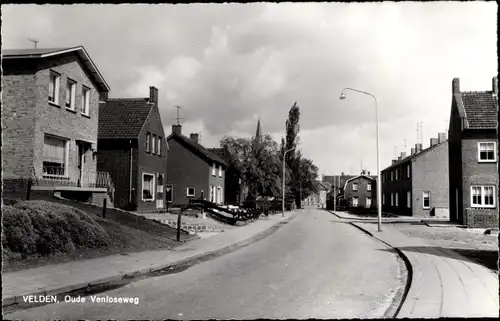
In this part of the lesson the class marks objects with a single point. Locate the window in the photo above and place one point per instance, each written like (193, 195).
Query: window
(383, 199)
(397, 174)
(153, 145)
(397, 199)
(487, 152)
(220, 171)
(213, 169)
(369, 187)
(408, 199)
(482, 196)
(169, 193)
(408, 171)
(70, 94)
(55, 155)
(392, 175)
(85, 107)
(368, 202)
(392, 199)
(190, 192)
(354, 186)
(148, 138)
(158, 147)
(148, 187)
(354, 201)
(426, 198)
(54, 87)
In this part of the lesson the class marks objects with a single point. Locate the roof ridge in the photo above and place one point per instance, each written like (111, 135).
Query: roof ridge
(130, 98)
(477, 92)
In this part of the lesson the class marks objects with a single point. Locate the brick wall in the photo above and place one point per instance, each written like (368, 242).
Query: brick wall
(481, 218)
(362, 193)
(186, 169)
(401, 185)
(474, 172)
(431, 174)
(216, 181)
(151, 163)
(19, 99)
(60, 121)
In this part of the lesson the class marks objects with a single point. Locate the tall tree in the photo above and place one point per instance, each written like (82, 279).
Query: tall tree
(292, 128)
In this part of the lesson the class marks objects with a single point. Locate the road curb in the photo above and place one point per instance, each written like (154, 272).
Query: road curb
(401, 293)
(13, 302)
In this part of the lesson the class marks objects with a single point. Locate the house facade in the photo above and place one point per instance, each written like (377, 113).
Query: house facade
(134, 151)
(360, 191)
(193, 170)
(417, 185)
(50, 118)
(234, 193)
(473, 154)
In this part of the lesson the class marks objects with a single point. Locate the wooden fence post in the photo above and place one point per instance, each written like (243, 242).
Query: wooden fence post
(104, 202)
(179, 227)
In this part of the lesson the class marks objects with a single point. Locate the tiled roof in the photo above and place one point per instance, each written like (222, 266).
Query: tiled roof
(35, 53)
(197, 148)
(481, 109)
(408, 158)
(122, 117)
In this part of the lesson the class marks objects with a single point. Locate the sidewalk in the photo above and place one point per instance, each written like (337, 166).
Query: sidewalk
(443, 283)
(62, 278)
(397, 219)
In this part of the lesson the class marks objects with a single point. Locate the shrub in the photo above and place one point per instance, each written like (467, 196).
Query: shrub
(44, 228)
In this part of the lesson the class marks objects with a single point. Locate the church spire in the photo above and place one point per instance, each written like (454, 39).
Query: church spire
(258, 134)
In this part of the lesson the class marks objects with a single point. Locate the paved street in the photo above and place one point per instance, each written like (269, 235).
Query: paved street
(314, 267)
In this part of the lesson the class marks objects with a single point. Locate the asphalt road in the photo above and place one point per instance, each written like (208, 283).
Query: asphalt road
(313, 267)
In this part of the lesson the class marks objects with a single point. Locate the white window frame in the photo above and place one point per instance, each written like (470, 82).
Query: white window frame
(383, 199)
(392, 199)
(188, 194)
(158, 146)
(85, 107)
(153, 145)
(66, 156)
(153, 193)
(392, 176)
(355, 198)
(72, 94)
(369, 187)
(408, 171)
(220, 170)
(366, 201)
(479, 152)
(148, 142)
(408, 199)
(354, 186)
(57, 78)
(397, 174)
(213, 169)
(483, 195)
(423, 200)
(397, 199)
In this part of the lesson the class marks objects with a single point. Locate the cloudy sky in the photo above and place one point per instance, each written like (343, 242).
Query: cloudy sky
(228, 64)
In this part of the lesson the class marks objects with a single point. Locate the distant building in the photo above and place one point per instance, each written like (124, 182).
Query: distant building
(473, 154)
(417, 185)
(346, 186)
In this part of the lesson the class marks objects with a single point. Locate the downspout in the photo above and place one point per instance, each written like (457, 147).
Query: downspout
(130, 175)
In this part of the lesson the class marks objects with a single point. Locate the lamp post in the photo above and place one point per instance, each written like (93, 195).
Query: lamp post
(283, 200)
(379, 181)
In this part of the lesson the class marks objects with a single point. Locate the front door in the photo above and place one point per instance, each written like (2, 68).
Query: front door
(82, 149)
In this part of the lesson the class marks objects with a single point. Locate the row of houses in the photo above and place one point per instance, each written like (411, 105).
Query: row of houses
(63, 132)
(455, 177)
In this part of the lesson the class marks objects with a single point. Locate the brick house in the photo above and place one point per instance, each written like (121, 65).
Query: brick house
(133, 149)
(417, 185)
(473, 165)
(234, 193)
(360, 191)
(192, 170)
(337, 183)
(50, 119)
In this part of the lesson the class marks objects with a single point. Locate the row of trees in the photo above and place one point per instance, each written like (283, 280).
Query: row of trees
(258, 161)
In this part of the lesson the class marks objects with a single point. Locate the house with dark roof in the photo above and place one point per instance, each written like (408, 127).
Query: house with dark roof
(417, 184)
(192, 170)
(133, 149)
(50, 100)
(234, 192)
(473, 154)
(360, 191)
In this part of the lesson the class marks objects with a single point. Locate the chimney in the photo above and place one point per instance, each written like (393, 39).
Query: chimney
(153, 95)
(434, 141)
(103, 96)
(495, 85)
(455, 86)
(399, 158)
(441, 137)
(363, 172)
(394, 161)
(342, 174)
(403, 155)
(194, 137)
(368, 174)
(177, 129)
(418, 148)
(412, 151)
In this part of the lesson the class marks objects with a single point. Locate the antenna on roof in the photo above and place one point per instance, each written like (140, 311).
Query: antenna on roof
(405, 143)
(34, 41)
(395, 151)
(178, 118)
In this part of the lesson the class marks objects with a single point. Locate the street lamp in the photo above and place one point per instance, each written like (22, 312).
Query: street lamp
(379, 181)
(283, 200)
